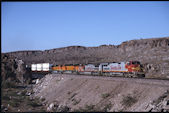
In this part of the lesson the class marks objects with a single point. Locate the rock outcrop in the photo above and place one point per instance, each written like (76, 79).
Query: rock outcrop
(152, 53)
(14, 70)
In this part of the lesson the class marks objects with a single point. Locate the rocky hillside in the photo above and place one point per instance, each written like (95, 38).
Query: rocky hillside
(152, 53)
(14, 70)
(107, 94)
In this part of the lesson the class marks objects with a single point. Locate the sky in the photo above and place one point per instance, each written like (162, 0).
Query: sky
(49, 25)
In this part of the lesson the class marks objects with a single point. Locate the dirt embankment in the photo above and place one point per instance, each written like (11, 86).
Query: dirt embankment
(89, 93)
(152, 53)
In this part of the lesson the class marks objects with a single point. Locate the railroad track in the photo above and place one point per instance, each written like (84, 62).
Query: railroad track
(115, 75)
(145, 81)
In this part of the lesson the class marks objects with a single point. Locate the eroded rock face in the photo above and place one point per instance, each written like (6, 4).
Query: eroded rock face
(13, 69)
(150, 52)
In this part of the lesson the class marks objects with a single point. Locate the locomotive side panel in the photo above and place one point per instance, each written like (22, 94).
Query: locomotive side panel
(63, 68)
(70, 68)
(57, 69)
(91, 68)
(133, 66)
(81, 68)
(115, 67)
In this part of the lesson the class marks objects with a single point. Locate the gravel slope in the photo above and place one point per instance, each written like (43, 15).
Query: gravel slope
(91, 93)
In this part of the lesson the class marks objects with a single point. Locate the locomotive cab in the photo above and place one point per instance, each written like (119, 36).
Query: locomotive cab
(133, 66)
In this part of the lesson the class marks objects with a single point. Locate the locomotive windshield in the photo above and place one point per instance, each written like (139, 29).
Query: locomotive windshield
(135, 62)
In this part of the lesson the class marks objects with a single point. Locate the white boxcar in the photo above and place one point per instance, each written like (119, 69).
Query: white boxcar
(39, 67)
(33, 67)
(45, 67)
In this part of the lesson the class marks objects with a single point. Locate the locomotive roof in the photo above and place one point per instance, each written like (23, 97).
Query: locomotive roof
(96, 64)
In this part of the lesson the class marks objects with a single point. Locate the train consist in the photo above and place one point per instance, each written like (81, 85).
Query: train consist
(126, 69)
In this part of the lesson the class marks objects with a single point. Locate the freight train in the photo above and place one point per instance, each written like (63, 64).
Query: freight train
(126, 69)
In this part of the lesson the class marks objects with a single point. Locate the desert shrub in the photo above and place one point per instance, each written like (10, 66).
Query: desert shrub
(89, 107)
(128, 100)
(5, 97)
(63, 109)
(97, 87)
(34, 103)
(12, 93)
(23, 93)
(107, 107)
(14, 103)
(73, 96)
(57, 80)
(105, 95)
(43, 99)
(69, 92)
(167, 102)
(75, 101)
(18, 99)
(7, 84)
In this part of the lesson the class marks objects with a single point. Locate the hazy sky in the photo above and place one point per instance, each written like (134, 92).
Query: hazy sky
(48, 25)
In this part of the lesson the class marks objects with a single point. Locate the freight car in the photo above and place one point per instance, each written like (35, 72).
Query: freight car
(41, 68)
(126, 69)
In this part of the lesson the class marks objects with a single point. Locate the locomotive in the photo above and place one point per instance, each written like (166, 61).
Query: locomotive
(126, 69)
